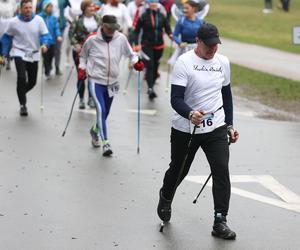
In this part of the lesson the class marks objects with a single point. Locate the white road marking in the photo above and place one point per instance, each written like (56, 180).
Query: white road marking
(143, 111)
(87, 111)
(289, 199)
(245, 113)
(150, 112)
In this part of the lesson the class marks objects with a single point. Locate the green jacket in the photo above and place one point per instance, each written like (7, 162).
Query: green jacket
(78, 32)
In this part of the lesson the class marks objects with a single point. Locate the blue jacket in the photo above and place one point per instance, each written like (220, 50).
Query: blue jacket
(62, 4)
(52, 24)
(186, 30)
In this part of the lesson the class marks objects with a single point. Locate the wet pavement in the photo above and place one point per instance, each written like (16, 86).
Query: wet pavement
(60, 193)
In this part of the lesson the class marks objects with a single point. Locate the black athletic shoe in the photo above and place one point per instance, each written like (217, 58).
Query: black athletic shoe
(164, 208)
(221, 230)
(151, 94)
(23, 110)
(107, 151)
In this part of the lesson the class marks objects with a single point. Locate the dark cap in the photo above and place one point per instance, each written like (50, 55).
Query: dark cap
(209, 34)
(110, 22)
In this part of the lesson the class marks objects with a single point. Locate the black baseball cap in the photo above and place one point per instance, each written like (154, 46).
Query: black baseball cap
(110, 22)
(209, 34)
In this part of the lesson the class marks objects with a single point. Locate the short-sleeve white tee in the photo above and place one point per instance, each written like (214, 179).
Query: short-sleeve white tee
(26, 36)
(203, 81)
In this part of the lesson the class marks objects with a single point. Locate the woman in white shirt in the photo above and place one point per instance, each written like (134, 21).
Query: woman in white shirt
(120, 11)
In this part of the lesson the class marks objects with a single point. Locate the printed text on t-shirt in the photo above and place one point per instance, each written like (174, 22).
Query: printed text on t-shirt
(211, 69)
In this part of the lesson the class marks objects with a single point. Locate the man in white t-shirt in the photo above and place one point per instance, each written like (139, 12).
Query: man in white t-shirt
(202, 102)
(27, 33)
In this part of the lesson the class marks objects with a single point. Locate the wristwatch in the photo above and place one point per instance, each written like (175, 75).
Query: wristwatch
(191, 114)
(229, 129)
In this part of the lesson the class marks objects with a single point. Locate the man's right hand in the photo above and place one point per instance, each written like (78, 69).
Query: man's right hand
(2, 61)
(81, 74)
(196, 117)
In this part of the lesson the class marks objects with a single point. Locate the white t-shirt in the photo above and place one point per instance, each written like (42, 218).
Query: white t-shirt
(132, 9)
(203, 81)
(26, 37)
(120, 12)
(90, 23)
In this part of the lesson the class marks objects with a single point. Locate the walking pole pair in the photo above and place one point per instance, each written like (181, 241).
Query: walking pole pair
(195, 200)
(163, 223)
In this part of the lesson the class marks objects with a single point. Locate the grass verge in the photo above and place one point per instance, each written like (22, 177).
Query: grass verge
(276, 92)
(245, 22)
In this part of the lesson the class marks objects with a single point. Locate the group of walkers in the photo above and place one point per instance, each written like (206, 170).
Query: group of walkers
(200, 84)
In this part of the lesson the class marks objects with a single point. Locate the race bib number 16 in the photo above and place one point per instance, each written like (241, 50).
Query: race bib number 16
(207, 124)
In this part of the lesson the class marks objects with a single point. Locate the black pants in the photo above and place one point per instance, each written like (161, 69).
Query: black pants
(268, 4)
(48, 58)
(80, 84)
(285, 4)
(216, 149)
(152, 64)
(26, 77)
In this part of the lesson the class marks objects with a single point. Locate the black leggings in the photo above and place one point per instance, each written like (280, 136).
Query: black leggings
(216, 149)
(80, 83)
(152, 64)
(26, 77)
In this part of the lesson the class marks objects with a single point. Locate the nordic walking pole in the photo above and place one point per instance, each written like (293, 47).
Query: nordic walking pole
(67, 81)
(71, 112)
(162, 224)
(72, 107)
(169, 69)
(127, 83)
(42, 86)
(195, 200)
(139, 112)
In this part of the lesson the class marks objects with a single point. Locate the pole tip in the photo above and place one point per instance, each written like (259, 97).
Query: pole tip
(161, 230)
(63, 134)
(195, 201)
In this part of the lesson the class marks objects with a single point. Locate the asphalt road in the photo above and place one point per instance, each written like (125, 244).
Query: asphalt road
(60, 193)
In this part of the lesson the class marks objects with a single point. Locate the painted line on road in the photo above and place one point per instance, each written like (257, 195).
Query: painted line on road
(289, 199)
(150, 112)
(245, 113)
(143, 111)
(87, 111)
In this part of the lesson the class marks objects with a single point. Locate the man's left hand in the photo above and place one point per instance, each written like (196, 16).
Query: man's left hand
(44, 49)
(233, 134)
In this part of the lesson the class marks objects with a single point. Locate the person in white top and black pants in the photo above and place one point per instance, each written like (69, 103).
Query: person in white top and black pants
(201, 96)
(27, 32)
